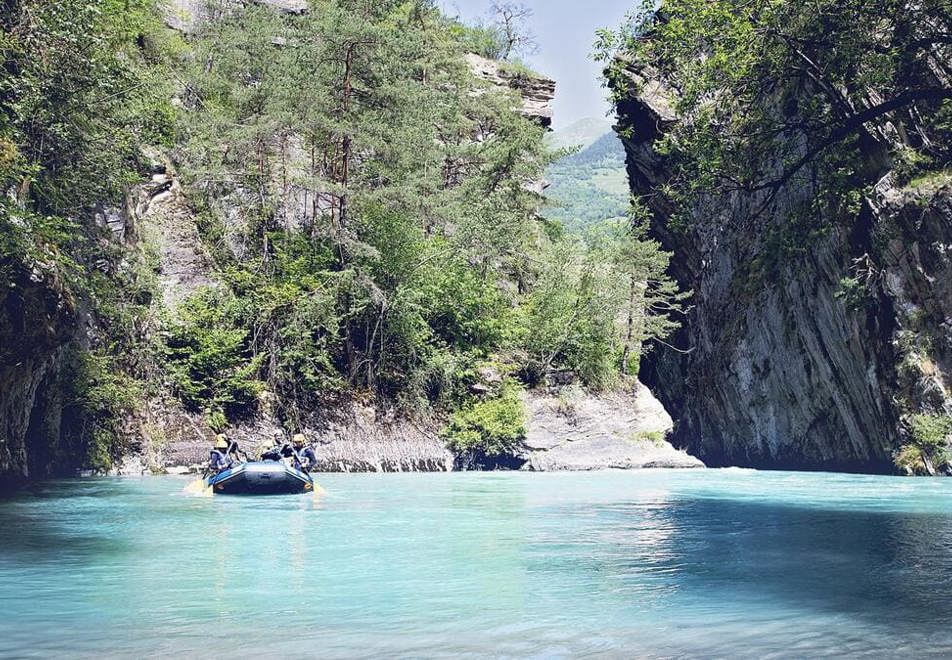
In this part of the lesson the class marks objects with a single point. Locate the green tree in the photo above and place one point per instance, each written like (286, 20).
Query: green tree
(600, 299)
(356, 142)
(775, 93)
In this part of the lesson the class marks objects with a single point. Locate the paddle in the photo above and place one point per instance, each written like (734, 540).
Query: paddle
(199, 487)
(297, 457)
(318, 491)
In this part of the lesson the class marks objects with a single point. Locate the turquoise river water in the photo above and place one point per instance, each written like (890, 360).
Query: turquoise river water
(716, 563)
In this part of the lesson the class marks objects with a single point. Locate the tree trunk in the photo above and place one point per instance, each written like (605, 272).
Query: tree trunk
(630, 333)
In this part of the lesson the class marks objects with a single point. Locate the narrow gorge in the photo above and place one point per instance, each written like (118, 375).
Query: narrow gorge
(268, 217)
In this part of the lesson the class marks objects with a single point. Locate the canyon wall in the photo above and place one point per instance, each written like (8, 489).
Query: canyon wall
(780, 363)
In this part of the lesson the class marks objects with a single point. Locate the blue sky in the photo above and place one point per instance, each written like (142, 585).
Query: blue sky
(565, 30)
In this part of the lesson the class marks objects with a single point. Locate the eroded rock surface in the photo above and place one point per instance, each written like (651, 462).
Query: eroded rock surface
(537, 92)
(778, 365)
(574, 430)
(167, 225)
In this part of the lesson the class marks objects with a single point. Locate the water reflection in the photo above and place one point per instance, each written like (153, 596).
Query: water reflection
(651, 564)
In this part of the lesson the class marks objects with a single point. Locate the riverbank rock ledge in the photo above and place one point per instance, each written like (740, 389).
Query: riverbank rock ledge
(567, 429)
(574, 430)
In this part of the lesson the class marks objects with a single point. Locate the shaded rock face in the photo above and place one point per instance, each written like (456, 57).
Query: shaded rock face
(782, 370)
(39, 326)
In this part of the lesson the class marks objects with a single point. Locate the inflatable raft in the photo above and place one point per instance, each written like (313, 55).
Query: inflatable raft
(261, 478)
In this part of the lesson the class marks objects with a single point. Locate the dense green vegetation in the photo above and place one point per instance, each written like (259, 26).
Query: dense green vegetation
(493, 426)
(81, 89)
(390, 240)
(856, 81)
(376, 232)
(365, 197)
(928, 449)
(590, 186)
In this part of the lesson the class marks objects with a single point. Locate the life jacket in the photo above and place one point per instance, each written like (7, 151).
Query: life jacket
(217, 459)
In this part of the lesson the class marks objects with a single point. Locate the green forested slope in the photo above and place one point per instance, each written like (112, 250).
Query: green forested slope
(589, 186)
(366, 199)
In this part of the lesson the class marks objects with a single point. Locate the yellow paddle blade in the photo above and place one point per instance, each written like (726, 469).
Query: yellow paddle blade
(198, 487)
(318, 492)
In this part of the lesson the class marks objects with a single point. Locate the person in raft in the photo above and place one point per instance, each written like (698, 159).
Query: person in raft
(270, 451)
(218, 457)
(234, 453)
(225, 454)
(303, 454)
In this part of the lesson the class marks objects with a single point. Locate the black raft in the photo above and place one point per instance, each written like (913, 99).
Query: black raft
(261, 478)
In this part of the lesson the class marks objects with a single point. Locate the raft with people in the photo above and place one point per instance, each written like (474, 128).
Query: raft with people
(281, 469)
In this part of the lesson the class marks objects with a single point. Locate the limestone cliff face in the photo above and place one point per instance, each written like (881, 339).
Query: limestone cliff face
(37, 325)
(570, 429)
(781, 368)
(537, 92)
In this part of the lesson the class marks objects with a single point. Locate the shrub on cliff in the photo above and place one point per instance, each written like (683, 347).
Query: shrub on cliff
(209, 358)
(930, 449)
(495, 426)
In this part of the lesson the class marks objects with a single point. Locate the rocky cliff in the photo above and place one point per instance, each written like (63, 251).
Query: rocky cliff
(38, 327)
(806, 357)
(570, 429)
(537, 92)
(47, 328)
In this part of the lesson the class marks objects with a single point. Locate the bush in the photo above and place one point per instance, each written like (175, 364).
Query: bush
(493, 426)
(99, 395)
(931, 431)
(209, 357)
(930, 434)
(655, 438)
(483, 40)
(571, 316)
(854, 294)
(909, 459)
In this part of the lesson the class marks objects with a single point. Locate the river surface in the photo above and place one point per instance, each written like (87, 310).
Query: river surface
(716, 563)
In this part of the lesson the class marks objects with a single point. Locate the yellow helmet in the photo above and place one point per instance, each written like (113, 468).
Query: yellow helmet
(221, 442)
(299, 440)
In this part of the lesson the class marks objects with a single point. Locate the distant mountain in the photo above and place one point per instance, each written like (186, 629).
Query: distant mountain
(580, 134)
(590, 186)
